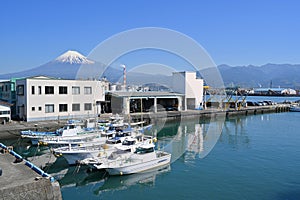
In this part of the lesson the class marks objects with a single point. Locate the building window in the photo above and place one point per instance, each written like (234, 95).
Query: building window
(49, 108)
(20, 89)
(75, 107)
(63, 107)
(87, 90)
(40, 90)
(87, 106)
(75, 90)
(63, 90)
(32, 90)
(32, 108)
(40, 108)
(49, 89)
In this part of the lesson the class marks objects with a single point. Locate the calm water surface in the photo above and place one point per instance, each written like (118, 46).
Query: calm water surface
(256, 157)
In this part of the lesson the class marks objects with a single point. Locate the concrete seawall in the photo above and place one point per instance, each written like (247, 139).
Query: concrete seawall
(19, 181)
(213, 112)
(12, 130)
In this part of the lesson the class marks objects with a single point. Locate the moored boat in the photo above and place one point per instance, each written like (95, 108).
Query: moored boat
(95, 149)
(70, 129)
(144, 158)
(73, 154)
(113, 149)
(295, 108)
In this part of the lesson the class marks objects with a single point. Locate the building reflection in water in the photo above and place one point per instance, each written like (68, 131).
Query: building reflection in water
(193, 139)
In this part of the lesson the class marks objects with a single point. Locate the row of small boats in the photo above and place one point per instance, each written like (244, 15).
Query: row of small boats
(114, 146)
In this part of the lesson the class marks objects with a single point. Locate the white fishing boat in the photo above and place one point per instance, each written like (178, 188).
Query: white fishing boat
(76, 131)
(73, 154)
(144, 158)
(71, 128)
(114, 149)
(295, 108)
(100, 148)
(87, 137)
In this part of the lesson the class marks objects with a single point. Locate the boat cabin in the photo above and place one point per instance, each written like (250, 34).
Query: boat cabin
(144, 149)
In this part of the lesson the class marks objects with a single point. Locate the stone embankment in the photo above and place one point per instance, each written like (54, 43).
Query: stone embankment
(12, 129)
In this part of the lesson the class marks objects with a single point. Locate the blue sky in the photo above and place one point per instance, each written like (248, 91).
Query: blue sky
(233, 32)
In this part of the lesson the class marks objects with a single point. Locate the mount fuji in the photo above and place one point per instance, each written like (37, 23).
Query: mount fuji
(73, 65)
(70, 65)
(73, 57)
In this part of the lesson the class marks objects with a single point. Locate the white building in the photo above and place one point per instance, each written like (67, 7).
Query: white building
(191, 87)
(4, 113)
(153, 101)
(187, 93)
(45, 98)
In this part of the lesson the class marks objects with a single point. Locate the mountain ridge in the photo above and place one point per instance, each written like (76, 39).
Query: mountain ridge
(73, 65)
(274, 75)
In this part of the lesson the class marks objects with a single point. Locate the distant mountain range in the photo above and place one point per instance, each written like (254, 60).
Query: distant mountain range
(269, 75)
(73, 65)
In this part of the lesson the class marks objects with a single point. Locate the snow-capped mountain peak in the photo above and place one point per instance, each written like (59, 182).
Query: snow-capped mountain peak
(73, 57)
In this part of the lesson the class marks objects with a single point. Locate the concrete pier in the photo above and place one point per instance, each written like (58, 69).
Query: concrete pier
(12, 130)
(19, 182)
(213, 112)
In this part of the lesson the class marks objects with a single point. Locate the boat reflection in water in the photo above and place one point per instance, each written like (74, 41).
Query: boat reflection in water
(146, 178)
(98, 181)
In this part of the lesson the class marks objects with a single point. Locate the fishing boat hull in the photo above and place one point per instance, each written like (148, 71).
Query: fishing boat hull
(76, 153)
(78, 139)
(74, 158)
(139, 166)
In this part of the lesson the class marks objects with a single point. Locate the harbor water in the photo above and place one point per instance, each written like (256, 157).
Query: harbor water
(241, 157)
(255, 157)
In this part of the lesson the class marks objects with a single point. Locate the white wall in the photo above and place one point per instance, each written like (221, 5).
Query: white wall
(187, 84)
(38, 101)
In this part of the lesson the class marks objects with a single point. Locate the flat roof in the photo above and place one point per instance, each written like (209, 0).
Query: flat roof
(144, 94)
